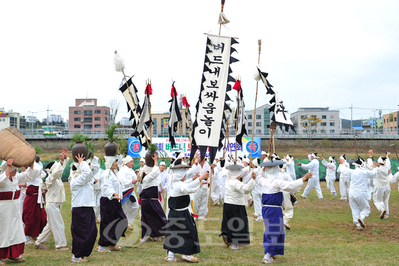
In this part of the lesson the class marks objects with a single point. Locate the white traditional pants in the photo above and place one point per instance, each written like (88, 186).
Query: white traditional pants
(288, 209)
(359, 205)
(215, 192)
(222, 182)
(331, 181)
(55, 225)
(313, 182)
(201, 201)
(98, 195)
(21, 201)
(328, 180)
(344, 187)
(257, 197)
(371, 188)
(381, 198)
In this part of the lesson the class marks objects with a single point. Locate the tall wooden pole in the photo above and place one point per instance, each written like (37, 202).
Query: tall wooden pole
(149, 110)
(256, 97)
(238, 116)
(357, 154)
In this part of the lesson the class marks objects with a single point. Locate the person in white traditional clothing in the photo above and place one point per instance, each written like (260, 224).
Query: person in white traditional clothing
(113, 220)
(288, 207)
(34, 215)
(181, 234)
(290, 166)
(97, 174)
(223, 174)
(163, 185)
(257, 192)
(235, 229)
(393, 178)
(201, 196)
(153, 219)
(215, 191)
(370, 165)
(358, 191)
(141, 169)
(128, 178)
(264, 156)
(272, 186)
(246, 177)
(331, 169)
(382, 188)
(313, 182)
(83, 224)
(344, 179)
(12, 237)
(55, 197)
(142, 162)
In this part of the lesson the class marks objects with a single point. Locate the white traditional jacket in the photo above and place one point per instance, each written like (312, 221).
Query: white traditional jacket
(331, 168)
(313, 167)
(82, 188)
(359, 177)
(235, 191)
(111, 184)
(150, 180)
(55, 186)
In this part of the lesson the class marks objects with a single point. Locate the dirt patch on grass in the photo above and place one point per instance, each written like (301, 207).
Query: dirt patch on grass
(374, 231)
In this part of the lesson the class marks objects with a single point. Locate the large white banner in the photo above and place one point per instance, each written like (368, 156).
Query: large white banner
(212, 98)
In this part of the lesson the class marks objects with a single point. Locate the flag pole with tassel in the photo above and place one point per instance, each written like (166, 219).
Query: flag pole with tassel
(119, 67)
(149, 109)
(238, 88)
(256, 98)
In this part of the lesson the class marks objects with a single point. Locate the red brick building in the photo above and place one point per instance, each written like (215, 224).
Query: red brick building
(87, 115)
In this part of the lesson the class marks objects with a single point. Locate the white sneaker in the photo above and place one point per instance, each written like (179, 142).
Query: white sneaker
(236, 247)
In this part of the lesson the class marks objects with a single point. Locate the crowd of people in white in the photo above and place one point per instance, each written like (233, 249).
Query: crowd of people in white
(172, 195)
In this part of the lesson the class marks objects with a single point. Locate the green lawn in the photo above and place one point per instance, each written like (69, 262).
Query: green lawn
(322, 234)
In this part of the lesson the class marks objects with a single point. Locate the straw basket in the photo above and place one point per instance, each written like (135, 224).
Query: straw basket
(13, 145)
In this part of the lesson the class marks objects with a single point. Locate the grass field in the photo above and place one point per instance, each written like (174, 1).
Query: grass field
(322, 234)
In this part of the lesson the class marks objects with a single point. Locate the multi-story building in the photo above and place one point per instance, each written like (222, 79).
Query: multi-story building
(391, 123)
(161, 121)
(55, 118)
(260, 122)
(329, 124)
(12, 119)
(87, 115)
(31, 119)
(125, 122)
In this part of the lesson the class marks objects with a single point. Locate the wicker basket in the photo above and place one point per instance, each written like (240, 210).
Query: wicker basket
(13, 145)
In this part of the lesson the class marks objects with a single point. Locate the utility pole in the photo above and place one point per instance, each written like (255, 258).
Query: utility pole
(48, 115)
(351, 118)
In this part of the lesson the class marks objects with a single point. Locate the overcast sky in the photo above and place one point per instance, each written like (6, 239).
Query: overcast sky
(317, 53)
